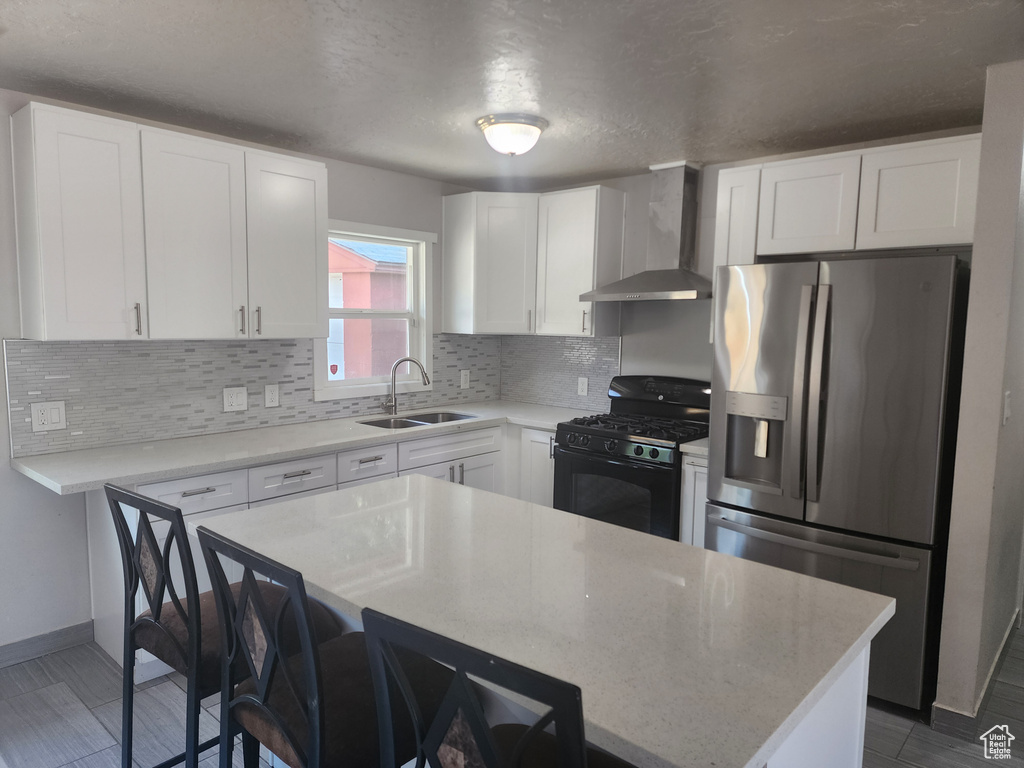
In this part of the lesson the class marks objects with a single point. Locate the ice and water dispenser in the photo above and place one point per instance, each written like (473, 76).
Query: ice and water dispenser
(755, 441)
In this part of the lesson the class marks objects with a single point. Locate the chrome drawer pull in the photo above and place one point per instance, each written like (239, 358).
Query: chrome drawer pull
(298, 473)
(370, 459)
(138, 319)
(197, 491)
(462, 474)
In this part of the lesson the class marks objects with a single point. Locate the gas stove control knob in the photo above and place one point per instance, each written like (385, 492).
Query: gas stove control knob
(638, 450)
(611, 445)
(584, 440)
(654, 453)
(572, 437)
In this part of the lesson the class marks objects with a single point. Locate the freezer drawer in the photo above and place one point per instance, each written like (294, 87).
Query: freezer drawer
(901, 662)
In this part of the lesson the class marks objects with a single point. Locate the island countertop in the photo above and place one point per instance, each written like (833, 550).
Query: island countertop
(685, 657)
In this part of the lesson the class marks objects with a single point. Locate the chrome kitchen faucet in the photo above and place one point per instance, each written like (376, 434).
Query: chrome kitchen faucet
(390, 405)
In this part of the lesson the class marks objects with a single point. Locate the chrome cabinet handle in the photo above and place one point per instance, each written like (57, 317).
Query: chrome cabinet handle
(462, 474)
(815, 391)
(197, 491)
(370, 459)
(298, 473)
(795, 454)
(259, 321)
(241, 311)
(584, 328)
(551, 447)
(529, 318)
(138, 319)
(451, 473)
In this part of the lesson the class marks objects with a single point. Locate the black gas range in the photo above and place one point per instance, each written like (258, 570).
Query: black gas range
(625, 466)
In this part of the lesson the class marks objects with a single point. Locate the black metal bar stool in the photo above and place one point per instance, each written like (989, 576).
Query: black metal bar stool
(458, 733)
(179, 625)
(309, 701)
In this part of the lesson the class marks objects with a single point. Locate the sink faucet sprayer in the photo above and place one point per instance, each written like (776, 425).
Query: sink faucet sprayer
(391, 404)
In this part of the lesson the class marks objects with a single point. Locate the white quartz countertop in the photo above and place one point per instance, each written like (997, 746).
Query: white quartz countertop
(132, 463)
(685, 657)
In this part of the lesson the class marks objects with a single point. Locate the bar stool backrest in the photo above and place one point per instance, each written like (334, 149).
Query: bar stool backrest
(460, 733)
(278, 647)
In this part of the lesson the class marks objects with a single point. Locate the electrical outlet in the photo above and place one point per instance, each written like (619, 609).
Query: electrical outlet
(47, 416)
(581, 386)
(235, 399)
(465, 380)
(270, 396)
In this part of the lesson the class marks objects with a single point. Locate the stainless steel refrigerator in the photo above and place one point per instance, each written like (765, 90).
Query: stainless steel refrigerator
(832, 426)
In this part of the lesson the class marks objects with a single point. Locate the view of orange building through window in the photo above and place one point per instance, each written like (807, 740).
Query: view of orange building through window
(367, 276)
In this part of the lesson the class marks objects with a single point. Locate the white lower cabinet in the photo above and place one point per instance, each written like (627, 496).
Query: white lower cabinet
(537, 466)
(694, 495)
(483, 472)
(472, 458)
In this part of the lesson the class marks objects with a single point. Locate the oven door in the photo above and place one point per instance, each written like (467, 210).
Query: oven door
(632, 494)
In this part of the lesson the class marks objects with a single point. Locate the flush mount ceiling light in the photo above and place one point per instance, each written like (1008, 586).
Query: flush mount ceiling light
(512, 133)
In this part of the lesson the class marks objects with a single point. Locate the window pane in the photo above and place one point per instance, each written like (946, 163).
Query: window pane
(367, 275)
(358, 348)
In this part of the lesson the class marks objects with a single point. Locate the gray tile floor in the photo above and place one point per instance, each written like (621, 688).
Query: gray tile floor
(64, 710)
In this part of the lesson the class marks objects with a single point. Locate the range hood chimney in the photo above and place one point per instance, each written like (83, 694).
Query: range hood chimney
(671, 245)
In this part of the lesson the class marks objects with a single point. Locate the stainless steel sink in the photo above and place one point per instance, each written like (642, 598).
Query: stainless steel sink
(439, 417)
(393, 423)
(416, 420)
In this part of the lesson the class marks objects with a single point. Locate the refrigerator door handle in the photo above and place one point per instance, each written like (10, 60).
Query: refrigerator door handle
(860, 556)
(815, 391)
(795, 452)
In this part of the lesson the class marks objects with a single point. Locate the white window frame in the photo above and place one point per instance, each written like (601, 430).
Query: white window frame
(421, 340)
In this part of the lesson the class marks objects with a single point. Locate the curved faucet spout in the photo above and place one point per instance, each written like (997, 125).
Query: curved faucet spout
(391, 404)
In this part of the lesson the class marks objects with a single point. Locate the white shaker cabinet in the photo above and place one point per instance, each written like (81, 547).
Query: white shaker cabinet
(286, 209)
(808, 205)
(195, 236)
(81, 249)
(490, 262)
(694, 499)
(735, 221)
(579, 248)
(472, 457)
(537, 466)
(919, 194)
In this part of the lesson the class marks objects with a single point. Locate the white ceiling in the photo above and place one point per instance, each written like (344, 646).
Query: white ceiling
(624, 83)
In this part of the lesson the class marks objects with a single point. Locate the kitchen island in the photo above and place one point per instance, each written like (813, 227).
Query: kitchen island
(685, 657)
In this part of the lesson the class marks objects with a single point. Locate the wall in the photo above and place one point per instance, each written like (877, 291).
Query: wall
(44, 568)
(983, 576)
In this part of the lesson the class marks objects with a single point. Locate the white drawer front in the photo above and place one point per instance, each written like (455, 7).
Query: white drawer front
(458, 445)
(367, 462)
(291, 477)
(290, 496)
(201, 493)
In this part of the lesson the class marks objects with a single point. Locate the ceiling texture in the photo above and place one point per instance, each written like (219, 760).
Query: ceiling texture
(399, 84)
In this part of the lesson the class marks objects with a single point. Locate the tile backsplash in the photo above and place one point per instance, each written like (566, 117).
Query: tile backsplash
(127, 392)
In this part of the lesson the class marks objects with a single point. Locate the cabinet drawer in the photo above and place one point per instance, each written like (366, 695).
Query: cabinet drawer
(292, 477)
(431, 450)
(367, 462)
(201, 493)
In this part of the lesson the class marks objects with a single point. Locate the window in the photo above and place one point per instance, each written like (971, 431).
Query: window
(377, 303)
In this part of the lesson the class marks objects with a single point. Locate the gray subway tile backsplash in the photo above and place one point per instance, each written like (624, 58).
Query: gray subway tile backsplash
(127, 392)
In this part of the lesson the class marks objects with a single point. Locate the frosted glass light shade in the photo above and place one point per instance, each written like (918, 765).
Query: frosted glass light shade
(512, 134)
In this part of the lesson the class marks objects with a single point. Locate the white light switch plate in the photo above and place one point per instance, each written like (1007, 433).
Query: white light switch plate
(235, 399)
(581, 386)
(464, 381)
(47, 416)
(270, 397)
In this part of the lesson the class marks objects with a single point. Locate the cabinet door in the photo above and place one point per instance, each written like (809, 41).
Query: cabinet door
(537, 467)
(505, 263)
(919, 194)
(195, 236)
(566, 242)
(694, 495)
(81, 250)
(735, 222)
(286, 208)
(807, 206)
(448, 448)
(484, 472)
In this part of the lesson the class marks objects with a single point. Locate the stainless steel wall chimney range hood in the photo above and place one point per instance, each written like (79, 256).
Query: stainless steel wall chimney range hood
(671, 245)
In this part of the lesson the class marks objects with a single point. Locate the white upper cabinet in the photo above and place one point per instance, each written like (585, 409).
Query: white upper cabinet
(78, 199)
(919, 194)
(736, 215)
(808, 205)
(490, 262)
(195, 236)
(286, 206)
(579, 248)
